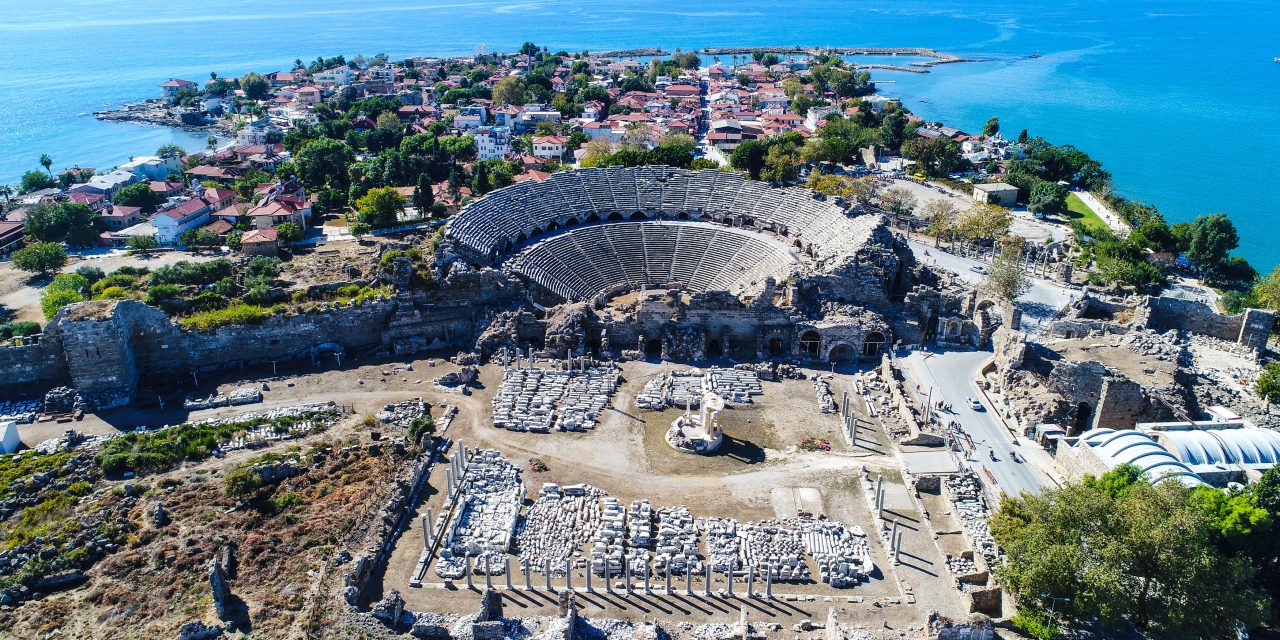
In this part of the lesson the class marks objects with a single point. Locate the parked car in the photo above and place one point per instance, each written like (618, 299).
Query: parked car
(975, 405)
(977, 268)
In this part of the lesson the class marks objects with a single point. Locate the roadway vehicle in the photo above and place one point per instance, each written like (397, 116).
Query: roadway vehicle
(975, 405)
(993, 455)
(977, 268)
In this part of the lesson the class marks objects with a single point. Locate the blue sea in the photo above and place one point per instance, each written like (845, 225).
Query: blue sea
(1179, 99)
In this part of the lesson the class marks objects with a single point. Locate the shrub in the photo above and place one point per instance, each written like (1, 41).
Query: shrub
(241, 482)
(1032, 625)
(193, 273)
(240, 313)
(112, 293)
(53, 301)
(19, 329)
(160, 293)
(92, 274)
(117, 279)
(209, 301)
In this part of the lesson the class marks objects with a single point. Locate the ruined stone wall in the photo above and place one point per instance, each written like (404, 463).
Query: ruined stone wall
(32, 364)
(1250, 328)
(1079, 461)
(1121, 403)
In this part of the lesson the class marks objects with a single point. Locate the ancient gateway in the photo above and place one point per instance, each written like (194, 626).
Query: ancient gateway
(613, 263)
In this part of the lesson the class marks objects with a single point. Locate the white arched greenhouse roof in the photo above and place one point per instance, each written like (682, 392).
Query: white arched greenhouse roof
(1251, 448)
(1127, 446)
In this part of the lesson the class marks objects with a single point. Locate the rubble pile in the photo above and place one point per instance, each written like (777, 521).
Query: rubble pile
(722, 543)
(63, 400)
(841, 552)
(404, 412)
(677, 542)
(1167, 346)
(492, 494)
(243, 395)
(961, 566)
(639, 534)
(607, 549)
(20, 411)
(538, 400)
(557, 524)
(971, 508)
(773, 547)
(772, 371)
(826, 401)
(681, 389)
(455, 380)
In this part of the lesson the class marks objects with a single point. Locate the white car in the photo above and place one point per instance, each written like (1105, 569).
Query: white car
(975, 405)
(977, 268)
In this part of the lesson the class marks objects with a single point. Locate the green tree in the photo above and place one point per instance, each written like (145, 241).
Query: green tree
(423, 195)
(241, 482)
(936, 156)
(750, 157)
(325, 162)
(1212, 238)
(62, 221)
(1126, 553)
(983, 222)
(359, 229)
(898, 200)
(992, 127)
(1006, 278)
(47, 163)
(289, 232)
(141, 243)
(171, 151)
(509, 90)
(893, 129)
(781, 164)
(6, 192)
(255, 86)
(1268, 385)
(1047, 197)
(33, 181)
(381, 207)
(138, 195)
(41, 257)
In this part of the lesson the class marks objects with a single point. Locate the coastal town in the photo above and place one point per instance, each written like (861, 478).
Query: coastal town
(723, 343)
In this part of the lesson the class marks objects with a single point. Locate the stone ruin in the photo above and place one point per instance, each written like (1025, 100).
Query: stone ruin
(681, 389)
(540, 400)
(698, 433)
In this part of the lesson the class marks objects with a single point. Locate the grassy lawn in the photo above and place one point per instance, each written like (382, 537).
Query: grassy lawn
(1078, 211)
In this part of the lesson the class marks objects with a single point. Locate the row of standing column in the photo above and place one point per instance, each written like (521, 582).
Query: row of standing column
(526, 569)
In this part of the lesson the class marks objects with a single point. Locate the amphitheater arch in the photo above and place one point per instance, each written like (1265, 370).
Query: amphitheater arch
(682, 215)
(714, 348)
(521, 239)
(653, 348)
(638, 215)
(592, 217)
(840, 352)
(776, 347)
(616, 215)
(872, 344)
(553, 226)
(810, 342)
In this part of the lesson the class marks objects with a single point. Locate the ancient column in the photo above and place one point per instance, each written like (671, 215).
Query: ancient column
(546, 567)
(568, 575)
(708, 586)
(469, 585)
(506, 571)
(528, 584)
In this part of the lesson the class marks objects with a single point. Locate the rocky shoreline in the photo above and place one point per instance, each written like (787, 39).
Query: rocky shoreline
(158, 112)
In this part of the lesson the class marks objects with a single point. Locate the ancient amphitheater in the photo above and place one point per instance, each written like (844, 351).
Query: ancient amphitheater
(630, 244)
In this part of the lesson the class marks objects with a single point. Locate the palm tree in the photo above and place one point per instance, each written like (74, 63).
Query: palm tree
(6, 191)
(47, 163)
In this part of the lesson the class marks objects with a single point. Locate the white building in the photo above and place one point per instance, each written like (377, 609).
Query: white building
(335, 76)
(549, 146)
(107, 183)
(470, 117)
(152, 167)
(492, 142)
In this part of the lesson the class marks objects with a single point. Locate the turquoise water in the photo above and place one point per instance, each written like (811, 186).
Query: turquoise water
(1179, 99)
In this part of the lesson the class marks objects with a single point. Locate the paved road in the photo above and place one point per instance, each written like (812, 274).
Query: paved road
(1039, 305)
(950, 374)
